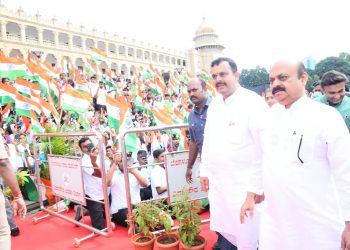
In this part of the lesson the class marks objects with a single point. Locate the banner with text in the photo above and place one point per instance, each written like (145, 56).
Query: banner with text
(67, 178)
(176, 166)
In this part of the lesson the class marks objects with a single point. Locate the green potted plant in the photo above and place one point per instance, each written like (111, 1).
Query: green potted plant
(145, 216)
(166, 240)
(186, 212)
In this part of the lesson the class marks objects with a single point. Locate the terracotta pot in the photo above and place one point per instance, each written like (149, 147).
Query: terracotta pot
(49, 195)
(171, 246)
(148, 245)
(199, 247)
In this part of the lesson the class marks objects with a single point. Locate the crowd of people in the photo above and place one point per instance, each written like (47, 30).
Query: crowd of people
(276, 165)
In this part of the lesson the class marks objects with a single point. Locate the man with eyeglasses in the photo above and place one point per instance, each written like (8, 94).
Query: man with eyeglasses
(231, 158)
(333, 87)
(306, 169)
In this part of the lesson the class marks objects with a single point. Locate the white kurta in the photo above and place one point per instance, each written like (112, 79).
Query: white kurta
(231, 159)
(306, 203)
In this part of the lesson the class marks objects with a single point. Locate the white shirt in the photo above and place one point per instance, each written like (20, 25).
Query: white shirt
(92, 184)
(158, 179)
(101, 96)
(232, 157)
(306, 178)
(118, 191)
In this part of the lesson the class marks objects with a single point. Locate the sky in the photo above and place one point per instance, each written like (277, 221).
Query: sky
(254, 32)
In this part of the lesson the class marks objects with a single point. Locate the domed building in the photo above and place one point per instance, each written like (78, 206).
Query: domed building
(206, 47)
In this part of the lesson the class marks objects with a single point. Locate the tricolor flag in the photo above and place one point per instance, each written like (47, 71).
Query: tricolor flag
(23, 105)
(113, 112)
(7, 94)
(130, 139)
(98, 55)
(5, 112)
(49, 109)
(36, 126)
(23, 86)
(73, 100)
(12, 67)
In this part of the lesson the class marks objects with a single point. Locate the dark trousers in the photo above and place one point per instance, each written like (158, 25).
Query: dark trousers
(225, 244)
(146, 193)
(97, 214)
(120, 217)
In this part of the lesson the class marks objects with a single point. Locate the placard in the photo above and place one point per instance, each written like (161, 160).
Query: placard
(176, 166)
(67, 178)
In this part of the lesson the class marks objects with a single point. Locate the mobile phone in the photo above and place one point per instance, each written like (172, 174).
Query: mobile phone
(90, 146)
(17, 136)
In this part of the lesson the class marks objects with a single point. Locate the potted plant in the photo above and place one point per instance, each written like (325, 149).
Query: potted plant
(186, 212)
(166, 240)
(145, 216)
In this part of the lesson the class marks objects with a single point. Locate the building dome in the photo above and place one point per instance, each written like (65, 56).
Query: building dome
(204, 28)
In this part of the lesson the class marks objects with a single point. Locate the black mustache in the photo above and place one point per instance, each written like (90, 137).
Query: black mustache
(220, 83)
(278, 88)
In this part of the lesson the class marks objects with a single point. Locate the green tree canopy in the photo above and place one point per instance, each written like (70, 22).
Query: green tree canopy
(313, 77)
(254, 77)
(333, 63)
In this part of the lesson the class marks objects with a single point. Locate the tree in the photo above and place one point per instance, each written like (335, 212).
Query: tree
(345, 56)
(313, 77)
(254, 77)
(332, 63)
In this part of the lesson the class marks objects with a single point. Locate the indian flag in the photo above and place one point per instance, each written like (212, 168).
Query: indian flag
(23, 86)
(54, 91)
(7, 94)
(36, 126)
(130, 139)
(90, 68)
(6, 111)
(49, 110)
(23, 105)
(98, 55)
(113, 112)
(12, 67)
(73, 100)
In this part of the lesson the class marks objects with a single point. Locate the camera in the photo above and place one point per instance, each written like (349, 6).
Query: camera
(89, 147)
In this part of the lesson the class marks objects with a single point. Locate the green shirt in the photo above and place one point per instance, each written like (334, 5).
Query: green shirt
(343, 108)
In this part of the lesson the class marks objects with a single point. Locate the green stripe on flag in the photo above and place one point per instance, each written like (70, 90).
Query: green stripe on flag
(114, 123)
(131, 143)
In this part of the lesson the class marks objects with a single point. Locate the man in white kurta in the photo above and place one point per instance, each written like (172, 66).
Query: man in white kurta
(307, 169)
(231, 156)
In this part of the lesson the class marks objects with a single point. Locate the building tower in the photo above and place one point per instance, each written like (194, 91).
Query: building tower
(206, 47)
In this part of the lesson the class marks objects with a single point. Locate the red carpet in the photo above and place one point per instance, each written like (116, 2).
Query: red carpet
(55, 233)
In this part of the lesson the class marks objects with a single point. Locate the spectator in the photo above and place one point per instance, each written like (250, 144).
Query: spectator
(158, 176)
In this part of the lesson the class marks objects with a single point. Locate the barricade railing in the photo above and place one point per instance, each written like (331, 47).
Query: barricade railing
(167, 168)
(71, 162)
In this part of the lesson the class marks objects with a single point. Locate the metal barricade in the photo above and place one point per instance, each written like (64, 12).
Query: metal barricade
(109, 225)
(127, 168)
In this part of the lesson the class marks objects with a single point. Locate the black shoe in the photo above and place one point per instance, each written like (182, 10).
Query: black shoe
(216, 246)
(15, 231)
(78, 216)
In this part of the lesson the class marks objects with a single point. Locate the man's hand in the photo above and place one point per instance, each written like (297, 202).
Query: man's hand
(345, 238)
(189, 176)
(205, 184)
(259, 198)
(19, 207)
(247, 207)
(117, 157)
(93, 155)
